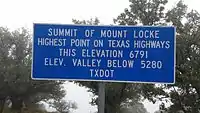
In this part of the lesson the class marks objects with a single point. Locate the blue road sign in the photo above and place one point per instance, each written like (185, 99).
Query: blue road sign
(142, 54)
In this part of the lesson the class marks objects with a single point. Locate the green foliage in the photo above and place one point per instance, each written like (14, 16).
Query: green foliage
(185, 93)
(62, 106)
(143, 12)
(15, 72)
(133, 106)
(92, 21)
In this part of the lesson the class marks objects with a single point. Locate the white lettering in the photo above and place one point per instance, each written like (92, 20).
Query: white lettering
(151, 44)
(67, 52)
(62, 32)
(146, 34)
(101, 73)
(114, 33)
(86, 62)
(98, 43)
(89, 33)
(50, 32)
(167, 45)
(95, 53)
(151, 64)
(80, 42)
(119, 43)
(120, 64)
(53, 61)
(138, 54)
(51, 42)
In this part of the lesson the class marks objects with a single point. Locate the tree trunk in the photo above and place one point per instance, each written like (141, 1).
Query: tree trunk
(2, 103)
(17, 104)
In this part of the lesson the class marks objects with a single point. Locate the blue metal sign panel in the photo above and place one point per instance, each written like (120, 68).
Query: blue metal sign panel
(144, 54)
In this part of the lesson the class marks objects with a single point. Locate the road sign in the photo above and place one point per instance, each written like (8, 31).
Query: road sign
(144, 54)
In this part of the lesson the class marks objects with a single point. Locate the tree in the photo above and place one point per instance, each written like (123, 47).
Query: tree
(63, 106)
(133, 106)
(143, 12)
(92, 21)
(185, 93)
(15, 72)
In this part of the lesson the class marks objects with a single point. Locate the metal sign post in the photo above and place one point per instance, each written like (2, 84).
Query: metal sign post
(101, 98)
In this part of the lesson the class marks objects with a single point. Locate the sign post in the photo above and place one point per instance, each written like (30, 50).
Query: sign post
(131, 54)
(101, 98)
